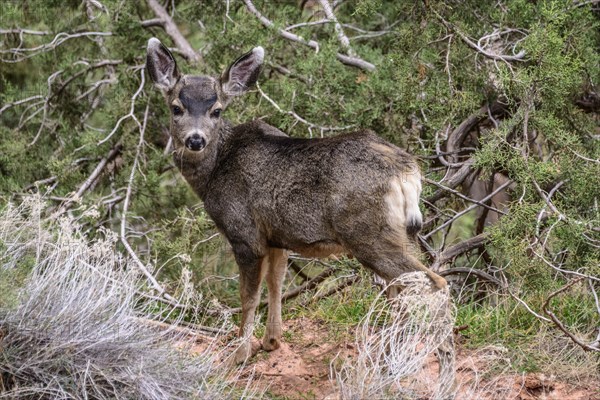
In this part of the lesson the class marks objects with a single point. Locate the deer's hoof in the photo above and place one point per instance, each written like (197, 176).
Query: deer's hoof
(440, 283)
(271, 343)
(242, 354)
(246, 351)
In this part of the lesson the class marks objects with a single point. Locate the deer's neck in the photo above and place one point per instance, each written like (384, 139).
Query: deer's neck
(197, 169)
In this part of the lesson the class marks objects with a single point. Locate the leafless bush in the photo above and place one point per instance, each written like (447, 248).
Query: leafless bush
(77, 330)
(394, 342)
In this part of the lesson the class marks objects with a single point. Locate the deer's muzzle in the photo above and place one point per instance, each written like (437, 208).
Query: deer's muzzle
(195, 142)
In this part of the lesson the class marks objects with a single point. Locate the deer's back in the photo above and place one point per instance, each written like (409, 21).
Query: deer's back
(303, 191)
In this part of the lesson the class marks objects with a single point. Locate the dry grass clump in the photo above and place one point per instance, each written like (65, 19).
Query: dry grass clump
(394, 341)
(75, 330)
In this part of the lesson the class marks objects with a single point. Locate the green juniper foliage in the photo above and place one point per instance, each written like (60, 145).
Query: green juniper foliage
(429, 78)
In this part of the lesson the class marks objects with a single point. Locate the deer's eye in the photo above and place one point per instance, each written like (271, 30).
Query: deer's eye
(177, 110)
(216, 113)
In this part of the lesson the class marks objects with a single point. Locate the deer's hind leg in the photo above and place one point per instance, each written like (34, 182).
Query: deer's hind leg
(274, 276)
(392, 256)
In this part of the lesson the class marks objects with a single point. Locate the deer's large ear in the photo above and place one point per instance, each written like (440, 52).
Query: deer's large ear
(161, 65)
(243, 73)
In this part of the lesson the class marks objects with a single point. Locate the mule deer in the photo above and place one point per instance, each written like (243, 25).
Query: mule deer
(269, 193)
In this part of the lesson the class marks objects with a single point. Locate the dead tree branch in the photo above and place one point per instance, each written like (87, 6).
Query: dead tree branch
(462, 196)
(466, 210)
(131, 113)
(19, 102)
(452, 181)
(559, 323)
(345, 59)
(564, 271)
(471, 271)
(21, 32)
(343, 39)
(166, 22)
(103, 63)
(338, 288)
(92, 178)
(458, 249)
(285, 34)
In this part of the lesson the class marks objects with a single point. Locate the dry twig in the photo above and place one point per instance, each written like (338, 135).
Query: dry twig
(131, 113)
(23, 53)
(345, 59)
(520, 56)
(123, 235)
(466, 210)
(298, 118)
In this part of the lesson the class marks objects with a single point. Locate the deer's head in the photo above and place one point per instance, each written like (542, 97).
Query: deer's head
(197, 102)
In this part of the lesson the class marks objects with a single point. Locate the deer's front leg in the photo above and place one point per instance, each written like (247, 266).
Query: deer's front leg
(275, 275)
(252, 268)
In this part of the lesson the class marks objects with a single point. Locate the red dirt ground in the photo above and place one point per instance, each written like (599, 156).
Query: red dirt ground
(300, 370)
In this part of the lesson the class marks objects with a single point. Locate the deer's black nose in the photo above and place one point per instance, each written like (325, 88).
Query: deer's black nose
(195, 142)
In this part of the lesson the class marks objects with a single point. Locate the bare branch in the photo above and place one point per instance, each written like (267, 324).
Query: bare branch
(89, 68)
(92, 178)
(22, 53)
(457, 136)
(462, 196)
(21, 31)
(466, 210)
(36, 184)
(368, 34)
(46, 105)
(298, 270)
(348, 60)
(524, 304)
(123, 236)
(131, 113)
(458, 249)
(558, 323)
(343, 39)
(173, 31)
(284, 33)
(298, 118)
(556, 211)
(564, 271)
(19, 102)
(503, 57)
(471, 271)
(152, 22)
(355, 62)
(337, 288)
(285, 71)
(311, 284)
(310, 23)
(583, 157)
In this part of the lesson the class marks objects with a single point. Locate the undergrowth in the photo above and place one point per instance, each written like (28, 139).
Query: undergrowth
(75, 323)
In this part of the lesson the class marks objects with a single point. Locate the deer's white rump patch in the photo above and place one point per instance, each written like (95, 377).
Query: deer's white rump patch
(402, 200)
